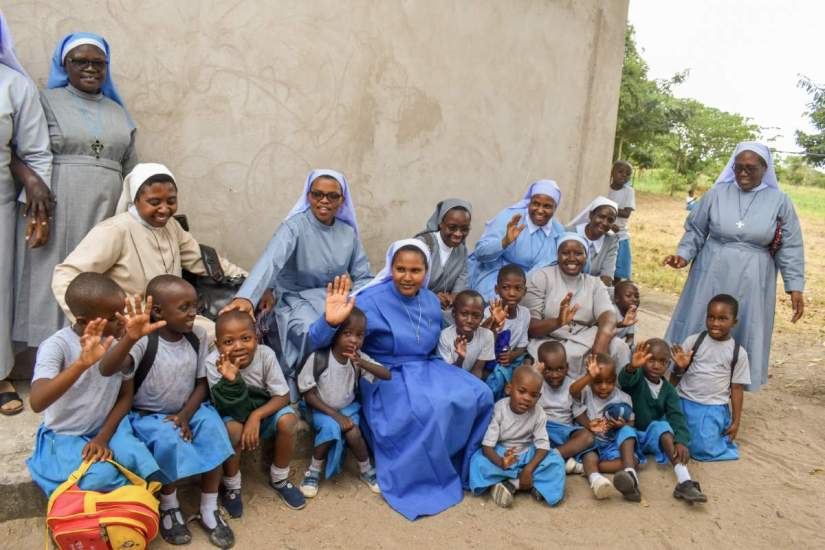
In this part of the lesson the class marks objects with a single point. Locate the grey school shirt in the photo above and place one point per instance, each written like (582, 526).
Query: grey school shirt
(516, 431)
(558, 404)
(595, 405)
(172, 377)
(708, 378)
(83, 409)
(262, 372)
(481, 348)
(337, 383)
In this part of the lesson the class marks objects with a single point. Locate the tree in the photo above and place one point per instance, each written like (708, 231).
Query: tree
(813, 144)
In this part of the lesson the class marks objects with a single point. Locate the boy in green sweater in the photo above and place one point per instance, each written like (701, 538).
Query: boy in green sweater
(660, 423)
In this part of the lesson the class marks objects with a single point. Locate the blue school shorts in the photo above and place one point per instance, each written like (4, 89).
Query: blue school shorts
(624, 261)
(608, 449)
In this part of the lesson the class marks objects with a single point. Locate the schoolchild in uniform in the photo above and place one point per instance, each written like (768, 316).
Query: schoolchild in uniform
(467, 344)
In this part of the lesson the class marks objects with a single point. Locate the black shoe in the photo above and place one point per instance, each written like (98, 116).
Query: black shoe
(627, 485)
(689, 491)
(222, 535)
(232, 503)
(536, 495)
(178, 533)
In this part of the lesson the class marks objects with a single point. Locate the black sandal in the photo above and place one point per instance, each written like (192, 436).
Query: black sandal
(178, 532)
(8, 397)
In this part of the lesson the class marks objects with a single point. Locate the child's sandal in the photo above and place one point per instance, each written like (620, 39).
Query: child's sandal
(177, 532)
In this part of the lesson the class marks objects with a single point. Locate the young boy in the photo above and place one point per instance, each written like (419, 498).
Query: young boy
(661, 428)
(509, 320)
(515, 453)
(85, 409)
(566, 419)
(626, 300)
(622, 194)
(708, 377)
(466, 344)
(615, 437)
(252, 396)
(329, 382)
(185, 434)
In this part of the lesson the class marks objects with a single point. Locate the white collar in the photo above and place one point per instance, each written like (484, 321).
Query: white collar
(597, 244)
(444, 251)
(532, 228)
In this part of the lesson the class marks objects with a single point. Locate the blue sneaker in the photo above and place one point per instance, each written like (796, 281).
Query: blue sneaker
(370, 478)
(232, 503)
(290, 494)
(309, 486)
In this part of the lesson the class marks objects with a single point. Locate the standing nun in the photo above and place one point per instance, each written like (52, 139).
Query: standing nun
(524, 234)
(594, 224)
(93, 142)
(743, 230)
(317, 241)
(445, 236)
(23, 132)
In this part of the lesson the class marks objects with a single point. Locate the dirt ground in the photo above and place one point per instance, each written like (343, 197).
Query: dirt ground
(771, 498)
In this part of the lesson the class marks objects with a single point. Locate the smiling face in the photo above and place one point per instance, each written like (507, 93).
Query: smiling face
(177, 305)
(541, 209)
(409, 269)
(325, 198)
(572, 257)
(555, 367)
(748, 167)
(601, 220)
(468, 312)
(237, 340)
(86, 68)
(720, 320)
(454, 227)
(157, 202)
(524, 390)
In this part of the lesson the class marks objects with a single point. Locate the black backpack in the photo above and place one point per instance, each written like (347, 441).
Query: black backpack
(698, 343)
(148, 358)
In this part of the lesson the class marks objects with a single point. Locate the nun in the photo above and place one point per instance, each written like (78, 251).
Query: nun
(743, 231)
(595, 224)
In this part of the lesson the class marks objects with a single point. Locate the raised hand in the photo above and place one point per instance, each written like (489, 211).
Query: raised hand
(592, 365)
(137, 322)
(510, 457)
(513, 231)
(676, 262)
(339, 303)
(539, 368)
(641, 356)
(228, 368)
(681, 357)
(92, 344)
(461, 346)
(498, 313)
(629, 317)
(566, 311)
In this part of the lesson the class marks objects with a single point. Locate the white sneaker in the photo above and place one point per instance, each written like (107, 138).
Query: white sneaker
(573, 467)
(309, 486)
(602, 488)
(503, 494)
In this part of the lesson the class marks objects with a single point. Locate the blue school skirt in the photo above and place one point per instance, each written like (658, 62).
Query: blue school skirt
(648, 441)
(327, 429)
(559, 434)
(608, 449)
(548, 477)
(269, 425)
(177, 459)
(57, 456)
(624, 261)
(501, 376)
(706, 424)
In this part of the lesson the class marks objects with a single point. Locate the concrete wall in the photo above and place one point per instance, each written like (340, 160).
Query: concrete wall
(414, 101)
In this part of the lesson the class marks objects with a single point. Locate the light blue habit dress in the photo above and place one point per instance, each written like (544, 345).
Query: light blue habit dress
(423, 424)
(300, 260)
(727, 239)
(535, 247)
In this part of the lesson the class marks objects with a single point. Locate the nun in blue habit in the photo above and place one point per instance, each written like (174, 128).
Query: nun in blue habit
(425, 423)
(536, 233)
(743, 231)
(317, 241)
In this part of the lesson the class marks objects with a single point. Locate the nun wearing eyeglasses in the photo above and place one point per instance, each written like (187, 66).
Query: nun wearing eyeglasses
(743, 231)
(317, 241)
(93, 142)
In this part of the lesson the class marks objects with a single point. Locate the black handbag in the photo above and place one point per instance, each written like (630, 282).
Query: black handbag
(215, 290)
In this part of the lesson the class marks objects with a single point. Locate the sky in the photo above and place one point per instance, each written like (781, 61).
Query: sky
(744, 56)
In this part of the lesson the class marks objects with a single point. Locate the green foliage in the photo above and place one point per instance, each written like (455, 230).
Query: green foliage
(814, 144)
(796, 171)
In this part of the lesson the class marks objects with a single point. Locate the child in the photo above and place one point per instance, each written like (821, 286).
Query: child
(626, 300)
(615, 437)
(510, 321)
(252, 395)
(466, 344)
(622, 194)
(709, 377)
(328, 382)
(661, 428)
(568, 437)
(185, 434)
(515, 453)
(85, 409)
(691, 201)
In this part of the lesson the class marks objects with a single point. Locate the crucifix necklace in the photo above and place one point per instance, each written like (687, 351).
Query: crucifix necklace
(416, 326)
(740, 224)
(95, 129)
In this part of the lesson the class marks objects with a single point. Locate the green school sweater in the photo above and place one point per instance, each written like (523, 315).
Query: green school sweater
(236, 399)
(667, 406)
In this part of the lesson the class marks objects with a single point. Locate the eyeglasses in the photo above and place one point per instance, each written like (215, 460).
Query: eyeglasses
(95, 64)
(332, 196)
(749, 169)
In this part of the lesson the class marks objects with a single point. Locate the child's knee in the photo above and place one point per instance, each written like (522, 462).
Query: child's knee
(234, 430)
(585, 437)
(353, 434)
(288, 424)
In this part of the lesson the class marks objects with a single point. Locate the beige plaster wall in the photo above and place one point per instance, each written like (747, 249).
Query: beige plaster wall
(414, 101)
